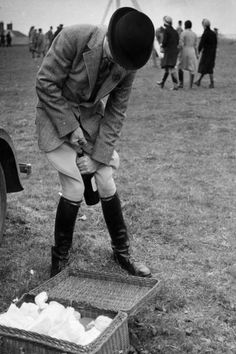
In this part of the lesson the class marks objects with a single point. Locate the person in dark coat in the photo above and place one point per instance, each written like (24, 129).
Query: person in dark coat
(58, 30)
(170, 48)
(207, 47)
(48, 38)
(9, 39)
(3, 40)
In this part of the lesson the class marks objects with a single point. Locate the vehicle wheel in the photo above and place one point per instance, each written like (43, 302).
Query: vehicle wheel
(3, 201)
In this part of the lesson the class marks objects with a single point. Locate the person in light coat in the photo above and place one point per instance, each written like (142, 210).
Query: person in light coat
(188, 54)
(72, 117)
(41, 44)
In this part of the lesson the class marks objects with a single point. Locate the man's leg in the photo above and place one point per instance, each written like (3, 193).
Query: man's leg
(181, 78)
(174, 78)
(198, 82)
(165, 76)
(113, 216)
(211, 81)
(66, 214)
(63, 160)
(191, 79)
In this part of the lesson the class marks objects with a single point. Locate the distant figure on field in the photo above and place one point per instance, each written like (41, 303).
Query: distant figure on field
(30, 36)
(48, 38)
(154, 57)
(170, 47)
(58, 30)
(207, 47)
(9, 39)
(40, 47)
(2, 40)
(159, 33)
(33, 35)
(216, 32)
(179, 28)
(188, 54)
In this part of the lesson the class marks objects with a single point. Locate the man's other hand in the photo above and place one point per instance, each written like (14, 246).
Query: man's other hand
(87, 165)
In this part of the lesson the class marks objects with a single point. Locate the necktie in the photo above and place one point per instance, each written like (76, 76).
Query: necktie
(103, 72)
(105, 66)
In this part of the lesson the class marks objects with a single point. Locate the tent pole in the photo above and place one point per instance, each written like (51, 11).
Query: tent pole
(136, 5)
(106, 11)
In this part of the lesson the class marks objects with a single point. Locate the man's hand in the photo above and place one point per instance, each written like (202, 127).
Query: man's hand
(87, 165)
(77, 137)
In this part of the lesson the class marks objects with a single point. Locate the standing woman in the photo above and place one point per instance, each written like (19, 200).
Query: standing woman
(188, 54)
(41, 44)
(170, 47)
(207, 47)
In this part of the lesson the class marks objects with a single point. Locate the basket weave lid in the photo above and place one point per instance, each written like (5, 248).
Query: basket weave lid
(100, 290)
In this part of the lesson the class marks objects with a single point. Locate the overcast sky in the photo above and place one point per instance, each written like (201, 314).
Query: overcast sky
(45, 13)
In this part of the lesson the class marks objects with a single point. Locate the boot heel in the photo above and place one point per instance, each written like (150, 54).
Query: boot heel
(161, 84)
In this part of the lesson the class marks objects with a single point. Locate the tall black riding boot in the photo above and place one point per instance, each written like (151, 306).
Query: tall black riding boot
(67, 211)
(175, 81)
(120, 241)
(162, 82)
(181, 78)
(191, 79)
(198, 82)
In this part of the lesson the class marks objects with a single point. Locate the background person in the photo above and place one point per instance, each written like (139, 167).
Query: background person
(30, 37)
(188, 54)
(207, 47)
(85, 64)
(159, 34)
(33, 42)
(9, 39)
(58, 30)
(179, 28)
(170, 47)
(40, 44)
(48, 38)
(2, 39)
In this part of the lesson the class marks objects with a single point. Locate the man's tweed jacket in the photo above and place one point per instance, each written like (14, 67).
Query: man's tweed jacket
(64, 84)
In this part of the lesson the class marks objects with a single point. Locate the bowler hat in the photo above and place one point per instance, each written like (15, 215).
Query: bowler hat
(130, 37)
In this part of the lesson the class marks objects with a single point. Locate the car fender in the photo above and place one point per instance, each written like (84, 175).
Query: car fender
(8, 160)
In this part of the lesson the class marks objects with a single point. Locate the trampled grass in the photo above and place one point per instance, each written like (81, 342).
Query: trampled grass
(178, 187)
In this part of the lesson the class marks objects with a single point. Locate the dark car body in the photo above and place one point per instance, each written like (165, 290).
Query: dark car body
(9, 174)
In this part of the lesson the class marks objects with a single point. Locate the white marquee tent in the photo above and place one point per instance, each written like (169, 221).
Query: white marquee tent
(221, 13)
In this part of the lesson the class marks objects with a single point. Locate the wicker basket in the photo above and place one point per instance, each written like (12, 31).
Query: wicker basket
(92, 294)
(101, 290)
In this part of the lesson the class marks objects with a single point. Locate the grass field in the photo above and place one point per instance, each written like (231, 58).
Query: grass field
(177, 181)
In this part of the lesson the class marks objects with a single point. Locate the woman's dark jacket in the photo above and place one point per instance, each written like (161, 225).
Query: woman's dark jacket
(207, 46)
(170, 46)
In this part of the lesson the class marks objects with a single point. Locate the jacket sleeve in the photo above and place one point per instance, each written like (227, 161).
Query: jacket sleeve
(165, 39)
(49, 82)
(202, 42)
(112, 122)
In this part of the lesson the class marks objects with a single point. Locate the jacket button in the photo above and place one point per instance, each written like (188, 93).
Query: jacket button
(116, 76)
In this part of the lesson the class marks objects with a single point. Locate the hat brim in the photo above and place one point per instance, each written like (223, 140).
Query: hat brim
(117, 52)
